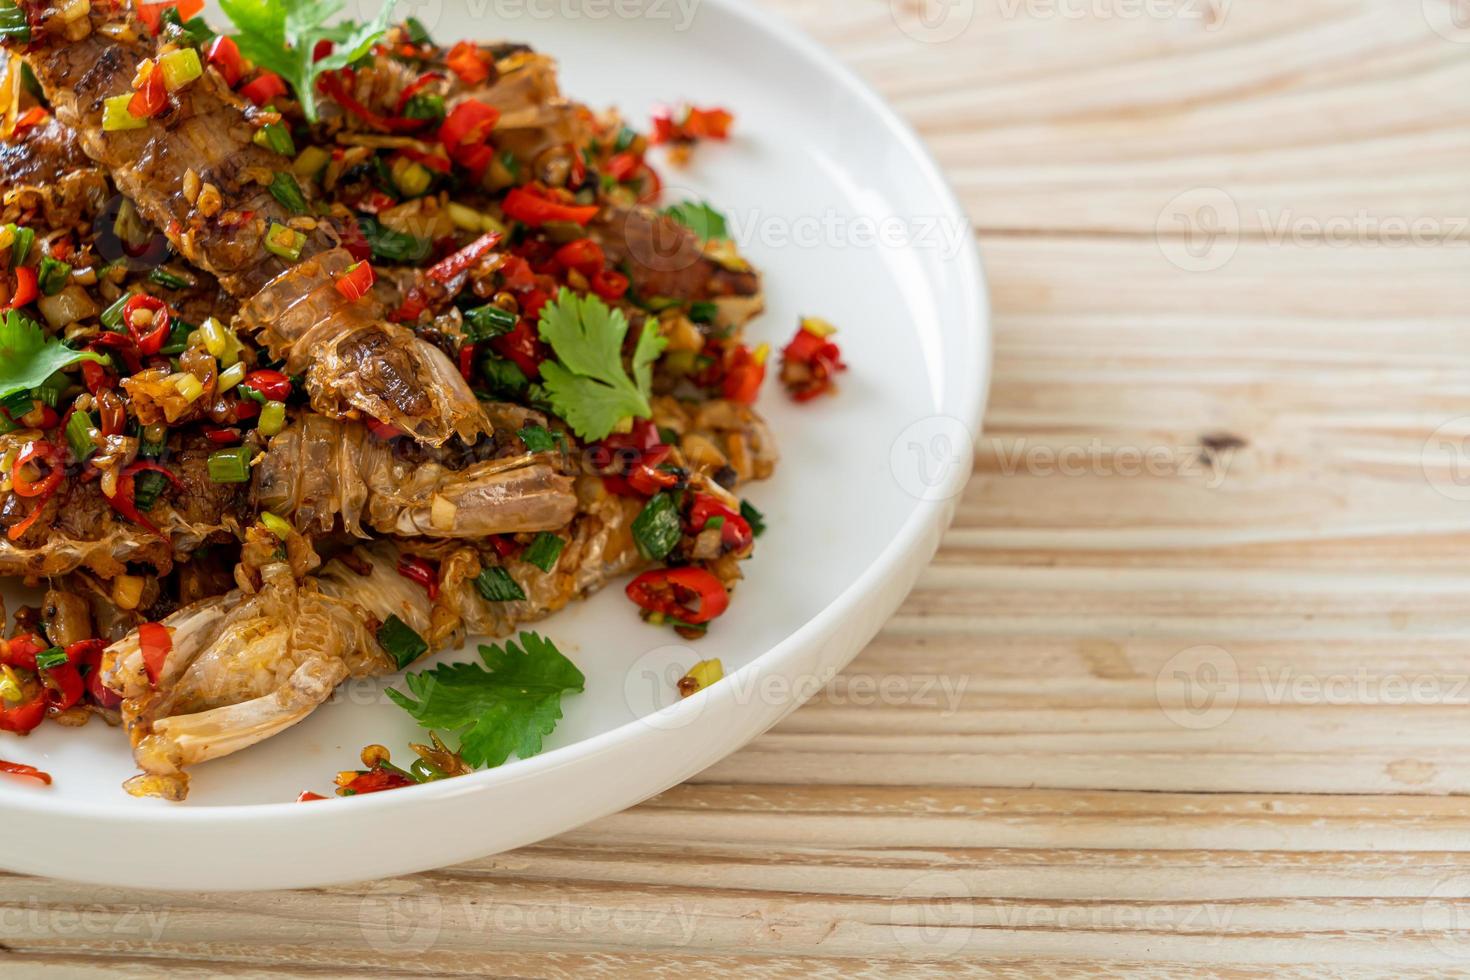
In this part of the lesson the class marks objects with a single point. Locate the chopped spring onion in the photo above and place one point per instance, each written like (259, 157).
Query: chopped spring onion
(180, 68)
(229, 465)
(50, 390)
(53, 275)
(178, 338)
(112, 316)
(13, 22)
(189, 386)
(656, 529)
(276, 524)
(153, 439)
(417, 32)
(626, 136)
(503, 378)
(116, 117)
(392, 245)
(272, 418)
(753, 517)
(18, 404)
(545, 550)
(47, 659)
(21, 248)
(311, 162)
(425, 105)
(538, 438)
(703, 311)
(231, 376)
(411, 178)
(148, 486)
(496, 585)
(79, 430)
(485, 322)
(212, 332)
(168, 279)
(285, 189)
(285, 242)
(401, 642)
(275, 137)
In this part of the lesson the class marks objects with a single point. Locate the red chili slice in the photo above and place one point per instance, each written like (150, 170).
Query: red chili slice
(376, 781)
(26, 288)
(20, 651)
(156, 642)
(21, 769)
(124, 502)
(610, 285)
(468, 124)
(414, 88)
(23, 716)
(308, 796)
(39, 451)
(265, 87)
(743, 376)
(521, 346)
(465, 258)
(535, 209)
(149, 337)
(151, 97)
(356, 281)
(224, 55)
(468, 62)
(735, 532)
(151, 14)
(583, 254)
(64, 687)
(422, 571)
(273, 386)
(690, 595)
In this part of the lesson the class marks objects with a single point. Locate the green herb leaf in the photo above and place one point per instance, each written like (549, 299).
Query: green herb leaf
(753, 517)
(545, 551)
(699, 218)
(393, 245)
(496, 585)
(285, 189)
(587, 384)
(280, 35)
(28, 357)
(656, 529)
(507, 706)
(402, 641)
(538, 438)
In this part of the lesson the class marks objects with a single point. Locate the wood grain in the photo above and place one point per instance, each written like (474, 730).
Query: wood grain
(1185, 691)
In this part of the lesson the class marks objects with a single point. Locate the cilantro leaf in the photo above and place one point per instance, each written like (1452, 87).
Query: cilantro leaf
(509, 705)
(700, 218)
(587, 384)
(28, 357)
(280, 35)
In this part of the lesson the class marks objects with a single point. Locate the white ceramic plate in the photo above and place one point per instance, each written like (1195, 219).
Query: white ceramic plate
(833, 197)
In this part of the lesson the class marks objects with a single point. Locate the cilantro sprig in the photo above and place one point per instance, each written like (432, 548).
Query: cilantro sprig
(509, 705)
(587, 384)
(280, 35)
(28, 357)
(700, 218)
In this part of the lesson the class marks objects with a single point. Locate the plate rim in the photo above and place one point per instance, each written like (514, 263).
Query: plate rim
(927, 520)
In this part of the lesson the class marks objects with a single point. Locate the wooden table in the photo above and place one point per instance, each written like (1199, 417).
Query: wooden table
(1187, 685)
